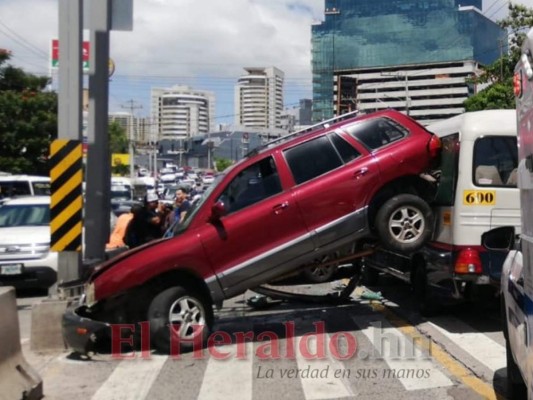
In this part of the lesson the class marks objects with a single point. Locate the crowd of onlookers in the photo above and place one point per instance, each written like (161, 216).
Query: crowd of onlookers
(153, 219)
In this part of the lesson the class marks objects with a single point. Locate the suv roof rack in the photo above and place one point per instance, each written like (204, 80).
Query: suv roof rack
(323, 124)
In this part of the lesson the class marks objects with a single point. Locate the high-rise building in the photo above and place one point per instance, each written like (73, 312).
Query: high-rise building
(259, 98)
(180, 112)
(412, 55)
(134, 126)
(306, 112)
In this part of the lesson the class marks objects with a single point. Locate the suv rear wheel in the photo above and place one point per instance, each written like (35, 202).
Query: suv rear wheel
(318, 273)
(404, 223)
(181, 316)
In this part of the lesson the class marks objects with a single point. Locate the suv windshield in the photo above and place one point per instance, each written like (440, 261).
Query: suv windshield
(24, 215)
(195, 206)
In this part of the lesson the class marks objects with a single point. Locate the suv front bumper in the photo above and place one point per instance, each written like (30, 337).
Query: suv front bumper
(83, 334)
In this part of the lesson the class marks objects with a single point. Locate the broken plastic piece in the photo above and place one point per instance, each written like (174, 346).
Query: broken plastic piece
(370, 295)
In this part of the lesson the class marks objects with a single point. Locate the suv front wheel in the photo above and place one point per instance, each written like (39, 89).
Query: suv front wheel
(404, 223)
(179, 316)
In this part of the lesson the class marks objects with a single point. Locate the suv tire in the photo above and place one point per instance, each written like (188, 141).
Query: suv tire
(187, 311)
(317, 273)
(516, 387)
(404, 223)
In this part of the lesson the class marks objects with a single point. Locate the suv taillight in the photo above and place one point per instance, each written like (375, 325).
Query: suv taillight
(434, 146)
(468, 262)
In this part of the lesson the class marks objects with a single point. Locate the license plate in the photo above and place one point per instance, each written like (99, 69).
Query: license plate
(11, 269)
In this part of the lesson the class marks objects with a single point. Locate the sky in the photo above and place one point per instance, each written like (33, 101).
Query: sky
(203, 44)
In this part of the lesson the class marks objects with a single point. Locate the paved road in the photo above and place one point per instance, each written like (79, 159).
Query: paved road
(371, 350)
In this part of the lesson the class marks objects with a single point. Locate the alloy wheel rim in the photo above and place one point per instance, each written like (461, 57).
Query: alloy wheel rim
(406, 224)
(186, 317)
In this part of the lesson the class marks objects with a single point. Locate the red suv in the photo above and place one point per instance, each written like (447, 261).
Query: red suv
(304, 196)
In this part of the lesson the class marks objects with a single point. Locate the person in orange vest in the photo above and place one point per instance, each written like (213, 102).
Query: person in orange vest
(116, 239)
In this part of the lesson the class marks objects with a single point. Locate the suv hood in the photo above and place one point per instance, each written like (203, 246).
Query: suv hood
(24, 234)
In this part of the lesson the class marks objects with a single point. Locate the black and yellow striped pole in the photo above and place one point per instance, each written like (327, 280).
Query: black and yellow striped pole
(66, 202)
(66, 209)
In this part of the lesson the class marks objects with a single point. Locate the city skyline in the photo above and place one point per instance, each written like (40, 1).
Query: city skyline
(204, 45)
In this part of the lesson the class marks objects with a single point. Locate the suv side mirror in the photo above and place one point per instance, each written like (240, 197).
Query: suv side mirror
(499, 239)
(217, 211)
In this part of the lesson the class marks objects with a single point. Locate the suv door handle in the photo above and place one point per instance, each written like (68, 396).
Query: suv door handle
(278, 208)
(360, 172)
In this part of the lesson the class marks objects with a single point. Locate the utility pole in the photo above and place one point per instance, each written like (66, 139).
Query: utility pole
(132, 106)
(407, 98)
(500, 43)
(398, 75)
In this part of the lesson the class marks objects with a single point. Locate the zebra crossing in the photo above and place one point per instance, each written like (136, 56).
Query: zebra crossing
(387, 363)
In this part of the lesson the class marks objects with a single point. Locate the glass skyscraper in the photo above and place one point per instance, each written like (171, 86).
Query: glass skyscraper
(377, 53)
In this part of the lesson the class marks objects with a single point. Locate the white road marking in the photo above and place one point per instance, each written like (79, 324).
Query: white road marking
(407, 362)
(231, 378)
(131, 379)
(318, 376)
(478, 345)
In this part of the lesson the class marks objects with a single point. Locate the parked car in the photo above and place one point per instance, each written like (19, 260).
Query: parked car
(208, 179)
(24, 185)
(477, 191)
(297, 199)
(25, 257)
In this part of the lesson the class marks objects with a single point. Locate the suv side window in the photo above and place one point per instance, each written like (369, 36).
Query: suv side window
(312, 158)
(495, 161)
(346, 151)
(253, 184)
(377, 132)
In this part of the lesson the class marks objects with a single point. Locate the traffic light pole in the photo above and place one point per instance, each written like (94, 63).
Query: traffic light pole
(98, 172)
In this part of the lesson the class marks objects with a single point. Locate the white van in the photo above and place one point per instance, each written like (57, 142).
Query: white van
(476, 192)
(24, 185)
(121, 189)
(517, 273)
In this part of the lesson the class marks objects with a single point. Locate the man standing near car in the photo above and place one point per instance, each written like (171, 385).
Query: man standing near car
(182, 204)
(176, 216)
(147, 225)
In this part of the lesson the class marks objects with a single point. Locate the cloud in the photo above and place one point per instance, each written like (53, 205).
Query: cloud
(202, 43)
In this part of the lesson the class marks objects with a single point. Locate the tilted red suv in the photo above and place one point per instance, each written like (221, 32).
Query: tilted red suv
(304, 196)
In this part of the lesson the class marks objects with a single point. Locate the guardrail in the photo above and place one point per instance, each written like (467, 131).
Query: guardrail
(18, 380)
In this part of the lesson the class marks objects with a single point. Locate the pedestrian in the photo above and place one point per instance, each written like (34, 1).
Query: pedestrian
(181, 207)
(146, 225)
(116, 239)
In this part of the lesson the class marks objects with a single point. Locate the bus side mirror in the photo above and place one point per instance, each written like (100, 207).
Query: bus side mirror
(499, 239)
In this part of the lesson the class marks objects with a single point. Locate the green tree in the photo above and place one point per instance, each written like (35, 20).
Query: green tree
(222, 163)
(28, 120)
(499, 75)
(118, 140)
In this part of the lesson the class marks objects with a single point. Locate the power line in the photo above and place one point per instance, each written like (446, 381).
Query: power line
(23, 42)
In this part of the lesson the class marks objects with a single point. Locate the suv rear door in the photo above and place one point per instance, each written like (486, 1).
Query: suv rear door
(262, 231)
